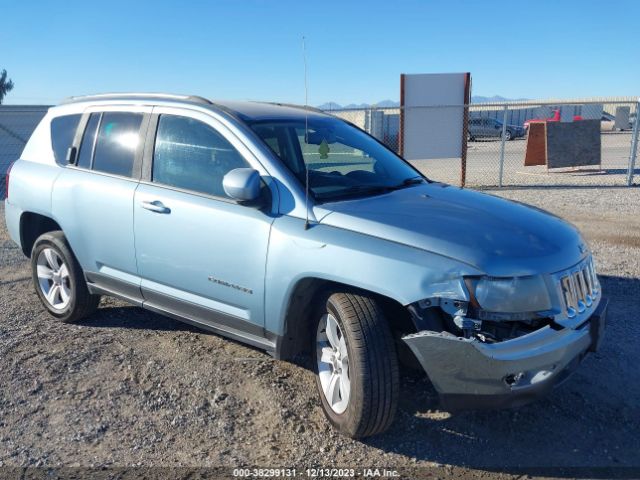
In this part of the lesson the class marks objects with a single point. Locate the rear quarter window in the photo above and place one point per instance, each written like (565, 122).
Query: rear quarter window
(63, 130)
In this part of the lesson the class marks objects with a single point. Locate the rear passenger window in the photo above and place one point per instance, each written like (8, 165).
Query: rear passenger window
(88, 140)
(189, 154)
(63, 129)
(117, 143)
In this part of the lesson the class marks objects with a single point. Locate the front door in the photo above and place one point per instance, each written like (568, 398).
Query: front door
(200, 254)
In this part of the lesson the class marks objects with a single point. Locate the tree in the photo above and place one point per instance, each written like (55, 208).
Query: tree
(5, 85)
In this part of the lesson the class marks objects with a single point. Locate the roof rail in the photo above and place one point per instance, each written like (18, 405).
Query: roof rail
(137, 96)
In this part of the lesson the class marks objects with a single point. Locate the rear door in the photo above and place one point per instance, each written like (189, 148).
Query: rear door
(200, 254)
(93, 197)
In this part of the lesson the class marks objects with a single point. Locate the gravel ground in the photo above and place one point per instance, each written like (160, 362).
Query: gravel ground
(130, 388)
(483, 165)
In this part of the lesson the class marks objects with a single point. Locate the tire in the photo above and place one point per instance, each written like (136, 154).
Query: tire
(59, 280)
(371, 369)
(508, 135)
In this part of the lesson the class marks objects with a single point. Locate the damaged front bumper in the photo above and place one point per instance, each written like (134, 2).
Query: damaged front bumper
(470, 374)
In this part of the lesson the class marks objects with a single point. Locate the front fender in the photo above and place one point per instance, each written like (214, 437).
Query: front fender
(403, 273)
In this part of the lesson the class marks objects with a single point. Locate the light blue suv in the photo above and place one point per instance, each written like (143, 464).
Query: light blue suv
(296, 232)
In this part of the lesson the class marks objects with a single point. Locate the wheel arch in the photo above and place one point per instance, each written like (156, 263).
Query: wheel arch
(32, 225)
(302, 301)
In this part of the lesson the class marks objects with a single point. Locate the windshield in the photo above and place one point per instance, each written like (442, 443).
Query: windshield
(342, 160)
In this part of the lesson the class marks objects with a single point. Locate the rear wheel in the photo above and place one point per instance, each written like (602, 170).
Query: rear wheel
(508, 135)
(355, 364)
(58, 279)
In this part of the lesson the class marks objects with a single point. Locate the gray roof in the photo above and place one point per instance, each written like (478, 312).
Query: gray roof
(252, 111)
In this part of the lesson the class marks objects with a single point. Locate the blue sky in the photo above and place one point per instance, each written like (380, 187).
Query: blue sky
(251, 49)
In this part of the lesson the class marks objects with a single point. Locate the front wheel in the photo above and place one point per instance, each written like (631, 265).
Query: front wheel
(59, 280)
(355, 364)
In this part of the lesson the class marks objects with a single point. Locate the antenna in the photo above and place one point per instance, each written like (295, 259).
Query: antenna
(306, 134)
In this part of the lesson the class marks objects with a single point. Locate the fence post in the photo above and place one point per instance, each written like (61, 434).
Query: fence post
(502, 144)
(465, 129)
(634, 147)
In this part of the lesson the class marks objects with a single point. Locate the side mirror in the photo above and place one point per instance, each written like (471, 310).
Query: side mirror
(243, 185)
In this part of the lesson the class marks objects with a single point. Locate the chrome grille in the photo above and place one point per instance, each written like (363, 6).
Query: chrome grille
(579, 288)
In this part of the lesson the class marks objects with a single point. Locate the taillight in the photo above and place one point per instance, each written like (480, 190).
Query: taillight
(6, 179)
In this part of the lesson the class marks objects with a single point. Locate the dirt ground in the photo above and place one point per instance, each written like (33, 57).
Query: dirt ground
(129, 388)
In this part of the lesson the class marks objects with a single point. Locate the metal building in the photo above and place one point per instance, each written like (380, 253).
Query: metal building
(17, 122)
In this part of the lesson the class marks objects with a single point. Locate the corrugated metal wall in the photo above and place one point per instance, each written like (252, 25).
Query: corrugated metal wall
(17, 123)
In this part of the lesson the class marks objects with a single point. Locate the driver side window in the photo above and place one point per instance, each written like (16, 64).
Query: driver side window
(191, 155)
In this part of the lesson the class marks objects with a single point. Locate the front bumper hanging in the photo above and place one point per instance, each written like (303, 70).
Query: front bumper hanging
(470, 374)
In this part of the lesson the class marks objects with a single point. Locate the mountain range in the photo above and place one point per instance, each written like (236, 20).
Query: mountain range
(337, 106)
(392, 103)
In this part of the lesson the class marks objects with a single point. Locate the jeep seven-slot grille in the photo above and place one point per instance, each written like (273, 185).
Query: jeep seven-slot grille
(579, 288)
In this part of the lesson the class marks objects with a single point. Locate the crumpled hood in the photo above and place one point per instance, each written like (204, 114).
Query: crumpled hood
(496, 236)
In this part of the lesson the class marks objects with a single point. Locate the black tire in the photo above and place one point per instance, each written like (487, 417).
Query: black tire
(81, 303)
(508, 135)
(373, 365)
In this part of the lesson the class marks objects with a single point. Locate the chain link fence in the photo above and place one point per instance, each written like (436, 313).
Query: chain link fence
(497, 137)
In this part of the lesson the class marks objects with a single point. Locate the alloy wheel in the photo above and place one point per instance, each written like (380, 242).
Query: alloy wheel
(333, 363)
(53, 279)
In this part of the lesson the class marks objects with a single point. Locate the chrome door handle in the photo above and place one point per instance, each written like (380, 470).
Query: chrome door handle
(156, 206)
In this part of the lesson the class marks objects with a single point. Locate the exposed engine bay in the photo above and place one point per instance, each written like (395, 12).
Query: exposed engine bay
(460, 319)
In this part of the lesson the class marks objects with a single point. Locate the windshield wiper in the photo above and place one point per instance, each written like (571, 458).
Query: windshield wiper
(357, 190)
(407, 182)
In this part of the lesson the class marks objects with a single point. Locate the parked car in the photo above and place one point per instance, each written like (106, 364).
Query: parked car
(492, 128)
(607, 122)
(296, 232)
(555, 117)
